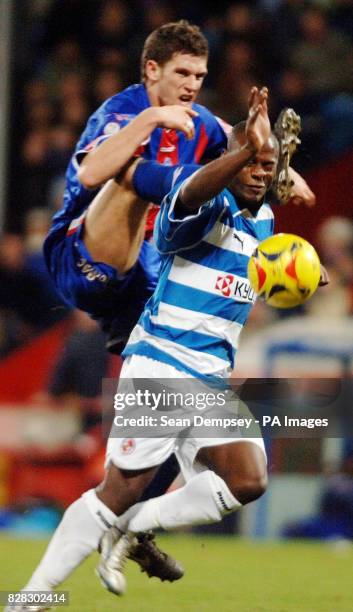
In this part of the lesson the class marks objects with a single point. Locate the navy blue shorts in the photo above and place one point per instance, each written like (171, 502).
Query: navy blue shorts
(116, 301)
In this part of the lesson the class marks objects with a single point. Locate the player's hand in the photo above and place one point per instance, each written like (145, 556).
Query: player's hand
(177, 117)
(300, 191)
(258, 126)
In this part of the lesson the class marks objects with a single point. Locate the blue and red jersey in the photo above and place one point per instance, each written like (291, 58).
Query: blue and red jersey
(168, 147)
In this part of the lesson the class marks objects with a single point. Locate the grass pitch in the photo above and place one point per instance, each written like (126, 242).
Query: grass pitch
(222, 574)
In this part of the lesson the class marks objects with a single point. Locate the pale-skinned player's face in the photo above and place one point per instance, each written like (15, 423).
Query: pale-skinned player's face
(178, 81)
(255, 179)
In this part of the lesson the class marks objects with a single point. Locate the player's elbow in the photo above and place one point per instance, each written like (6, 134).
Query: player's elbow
(187, 199)
(88, 178)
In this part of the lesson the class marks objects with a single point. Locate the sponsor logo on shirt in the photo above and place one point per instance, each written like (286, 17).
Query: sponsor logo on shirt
(224, 284)
(231, 286)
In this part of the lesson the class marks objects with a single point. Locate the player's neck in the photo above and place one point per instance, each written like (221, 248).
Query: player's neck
(252, 207)
(152, 94)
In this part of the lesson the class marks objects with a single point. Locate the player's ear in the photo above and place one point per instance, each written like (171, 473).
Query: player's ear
(152, 70)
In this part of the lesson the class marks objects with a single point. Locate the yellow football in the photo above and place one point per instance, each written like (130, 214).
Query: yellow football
(284, 270)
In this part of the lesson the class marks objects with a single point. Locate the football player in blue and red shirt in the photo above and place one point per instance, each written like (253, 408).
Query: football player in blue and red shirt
(96, 251)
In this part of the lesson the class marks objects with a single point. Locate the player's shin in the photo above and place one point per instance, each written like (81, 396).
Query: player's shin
(77, 536)
(203, 499)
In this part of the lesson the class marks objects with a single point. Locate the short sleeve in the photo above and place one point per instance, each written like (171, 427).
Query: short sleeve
(174, 234)
(101, 126)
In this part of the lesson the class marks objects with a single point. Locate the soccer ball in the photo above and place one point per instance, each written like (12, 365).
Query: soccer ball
(284, 270)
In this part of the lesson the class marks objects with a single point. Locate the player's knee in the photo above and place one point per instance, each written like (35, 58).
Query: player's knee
(116, 492)
(112, 500)
(249, 489)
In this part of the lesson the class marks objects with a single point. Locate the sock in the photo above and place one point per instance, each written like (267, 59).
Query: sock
(77, 535)
(203, 499)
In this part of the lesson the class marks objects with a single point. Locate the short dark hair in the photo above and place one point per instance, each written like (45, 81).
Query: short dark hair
(175, 37)
(239, 128)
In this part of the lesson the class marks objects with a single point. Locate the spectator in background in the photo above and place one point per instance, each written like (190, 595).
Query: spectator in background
(112, 35)
(326, 57)
(335, 245)
(37, 224)
(35, 92)
(250, 43)
(113, 59)
(33, 186)
(113, 26)
(335, 237)
(72, 86)
(45, 154)
(285, 29)
(20, 290)
(74, 114)
(107, 84)
(238, 71)
(61, 140)
(149, 17)
(322, 54)
(335, 517)
(292, 91)
(69, 18)
(342, 16)
(27, 297)
(65, 59)
(243, 22)
(76, 378)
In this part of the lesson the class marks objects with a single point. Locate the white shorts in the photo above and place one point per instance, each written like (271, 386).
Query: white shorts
(135, 453)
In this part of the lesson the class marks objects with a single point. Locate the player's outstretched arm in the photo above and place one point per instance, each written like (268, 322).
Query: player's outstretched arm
(215, 176)
(301, 193)
(104, 162)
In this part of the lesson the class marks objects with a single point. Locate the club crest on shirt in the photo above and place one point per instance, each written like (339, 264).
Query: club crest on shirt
(111, 128)
(128, 446)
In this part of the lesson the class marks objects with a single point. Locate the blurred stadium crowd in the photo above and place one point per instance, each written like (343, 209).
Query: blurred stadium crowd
(74, 54)
(68, 56)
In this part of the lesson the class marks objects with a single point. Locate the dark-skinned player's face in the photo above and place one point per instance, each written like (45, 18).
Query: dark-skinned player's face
(252, 182)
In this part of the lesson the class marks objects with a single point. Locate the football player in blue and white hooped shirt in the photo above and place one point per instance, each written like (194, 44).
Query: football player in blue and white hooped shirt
(203, 297)
(207, 229)
(200, 218)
